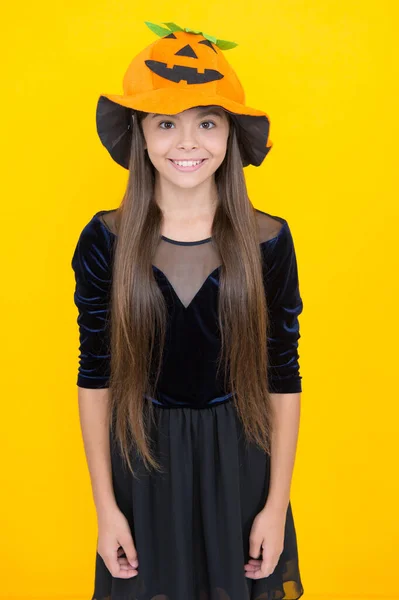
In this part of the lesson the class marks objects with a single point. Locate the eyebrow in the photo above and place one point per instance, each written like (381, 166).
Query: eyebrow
(204, 113)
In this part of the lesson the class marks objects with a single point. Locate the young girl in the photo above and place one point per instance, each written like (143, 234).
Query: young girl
(188, 383)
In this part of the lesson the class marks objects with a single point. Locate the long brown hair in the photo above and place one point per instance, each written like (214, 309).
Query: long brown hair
(138, 312)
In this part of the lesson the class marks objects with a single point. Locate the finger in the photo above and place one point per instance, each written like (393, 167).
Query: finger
(112, 564)
(130, 550)
(262, 572)
(251, 574)
(123, 562)
(255, 561)
(252, 565)
(256, 571)
(249, 570)
(258, 574)
(265, 566)
(123, 574)
(125, 570)
(254, 549)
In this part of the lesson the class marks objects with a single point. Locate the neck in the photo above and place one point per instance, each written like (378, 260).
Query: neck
(186, 203)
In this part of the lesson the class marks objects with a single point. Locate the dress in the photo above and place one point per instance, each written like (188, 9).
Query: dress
(191, 525)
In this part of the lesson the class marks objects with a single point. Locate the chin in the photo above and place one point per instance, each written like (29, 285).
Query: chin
(187, 184)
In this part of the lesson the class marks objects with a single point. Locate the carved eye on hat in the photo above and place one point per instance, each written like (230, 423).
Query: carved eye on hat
(196, 50)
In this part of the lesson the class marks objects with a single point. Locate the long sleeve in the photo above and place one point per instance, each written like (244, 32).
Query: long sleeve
(284, 305)
(92, 266)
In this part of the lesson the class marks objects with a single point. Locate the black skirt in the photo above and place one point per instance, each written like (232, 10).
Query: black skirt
(191, 523)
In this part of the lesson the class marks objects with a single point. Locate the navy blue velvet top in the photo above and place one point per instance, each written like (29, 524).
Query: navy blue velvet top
(192, 342)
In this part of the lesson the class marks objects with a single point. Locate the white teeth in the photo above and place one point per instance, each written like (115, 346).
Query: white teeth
(187, 163)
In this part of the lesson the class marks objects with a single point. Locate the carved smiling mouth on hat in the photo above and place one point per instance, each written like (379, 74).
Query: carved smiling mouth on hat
(180, 73)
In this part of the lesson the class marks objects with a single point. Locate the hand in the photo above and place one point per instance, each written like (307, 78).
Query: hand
(266, 539)
(115, 540)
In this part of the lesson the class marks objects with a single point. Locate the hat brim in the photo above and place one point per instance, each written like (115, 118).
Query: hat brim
(114, 124)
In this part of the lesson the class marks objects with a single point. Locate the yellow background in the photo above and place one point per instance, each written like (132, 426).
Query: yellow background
(326, 73)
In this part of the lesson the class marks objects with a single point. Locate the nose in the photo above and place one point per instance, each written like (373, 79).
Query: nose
(187, 145)
(188, 139)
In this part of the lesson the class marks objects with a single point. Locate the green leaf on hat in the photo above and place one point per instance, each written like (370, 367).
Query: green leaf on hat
(161, 31)
(225, 45)
(211, 38)
(222, 44)
(192, 31)
(173, 27)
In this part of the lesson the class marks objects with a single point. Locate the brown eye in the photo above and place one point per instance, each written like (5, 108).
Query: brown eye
(162, 122)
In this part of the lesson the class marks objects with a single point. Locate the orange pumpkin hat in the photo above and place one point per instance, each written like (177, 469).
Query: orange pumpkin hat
(182, 70)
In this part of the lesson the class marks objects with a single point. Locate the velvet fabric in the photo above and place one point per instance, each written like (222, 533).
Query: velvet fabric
(188, 375)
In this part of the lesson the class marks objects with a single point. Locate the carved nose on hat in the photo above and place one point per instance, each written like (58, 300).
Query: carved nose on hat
(186, 51)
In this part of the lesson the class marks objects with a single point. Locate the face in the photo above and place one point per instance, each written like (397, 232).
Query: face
(196, 134)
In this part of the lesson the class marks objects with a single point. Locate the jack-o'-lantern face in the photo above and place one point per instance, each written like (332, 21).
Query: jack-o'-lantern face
(192, 63)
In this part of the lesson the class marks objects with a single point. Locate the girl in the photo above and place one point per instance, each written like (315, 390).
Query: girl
(188, 382)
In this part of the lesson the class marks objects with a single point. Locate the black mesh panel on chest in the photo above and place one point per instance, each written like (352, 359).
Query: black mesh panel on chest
(186, 266)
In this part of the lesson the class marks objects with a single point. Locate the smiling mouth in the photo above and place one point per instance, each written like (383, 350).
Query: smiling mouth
(188, 165)
(180, 160)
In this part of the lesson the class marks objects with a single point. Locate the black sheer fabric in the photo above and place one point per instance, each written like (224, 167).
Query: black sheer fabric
(191, 524)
